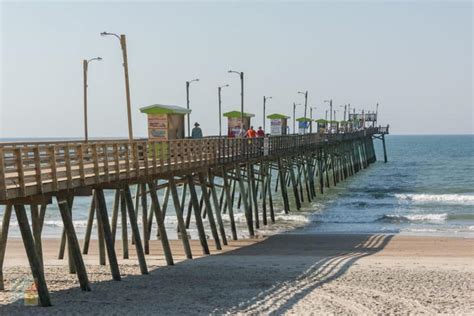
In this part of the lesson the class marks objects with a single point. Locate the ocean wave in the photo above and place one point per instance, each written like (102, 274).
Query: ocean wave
(443, 198)
(413, 218)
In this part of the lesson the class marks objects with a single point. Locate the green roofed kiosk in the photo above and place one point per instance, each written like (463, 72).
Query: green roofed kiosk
(165, 122)
(233, 123)
(322, 125)
(278, 124)
(303, 124)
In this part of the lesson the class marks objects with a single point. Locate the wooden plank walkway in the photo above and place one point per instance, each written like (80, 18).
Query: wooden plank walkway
(28, 169)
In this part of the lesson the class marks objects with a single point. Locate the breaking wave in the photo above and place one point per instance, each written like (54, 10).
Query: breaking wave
(443, 198)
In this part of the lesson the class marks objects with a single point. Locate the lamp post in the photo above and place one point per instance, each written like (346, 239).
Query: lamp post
(220, 107)
(311, 118)
(305, 105)
(376, 114)
(330, 112)
(345, 109)
(294, 116)
(241, 74)
(264, 109)
(123, 45)
(85, 66)
(187, 104)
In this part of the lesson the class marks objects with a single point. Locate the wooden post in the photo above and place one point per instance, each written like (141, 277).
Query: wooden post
(160, 221)
(284, 193)
(73, 244)
(179, 217)
(295, 186)
(248, 213)
(104, 220)
(263, 170)
(253, 193)
(3, 241)
(217, 208)
(200, 226)
(123, 216)
(146, 238)
(229, 203)
(100, 233)
(35, 223)
(136, 232)
(90, 223)
(35, 264)
(270, 198)
(384, 149)
(207, 201)
(115, 211)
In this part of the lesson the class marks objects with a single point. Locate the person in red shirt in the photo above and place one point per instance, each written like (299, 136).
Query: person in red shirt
(260, 132)
(251, 133)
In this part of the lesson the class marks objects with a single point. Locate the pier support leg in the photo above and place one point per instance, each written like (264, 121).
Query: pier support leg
(146, 238)
(197, 214)
(284, 193)
(136, 232)
(179, 217)
(35, 223)
(90, 223)
(115, 210)
(73, 244)
(3, 241)
(207, 202)
(104, 220)
(123, 216)
(248, 213)
(384, 149)
(229, 203)
(35, 265)
(253, 194)
(217, 208)
(160, 221)
(295, 186)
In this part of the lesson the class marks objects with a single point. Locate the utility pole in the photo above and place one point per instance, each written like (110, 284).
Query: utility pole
(85, 67)
(123, 45)
(264, 110)
(219, 89)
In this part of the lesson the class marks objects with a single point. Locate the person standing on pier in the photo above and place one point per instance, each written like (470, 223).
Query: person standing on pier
(196, 133)
(251, 133)
(260, 132)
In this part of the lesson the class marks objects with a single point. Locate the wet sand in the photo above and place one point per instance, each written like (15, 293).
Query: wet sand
(281, 274)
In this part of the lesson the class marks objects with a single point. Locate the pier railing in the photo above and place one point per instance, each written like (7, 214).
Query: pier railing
(28, 169)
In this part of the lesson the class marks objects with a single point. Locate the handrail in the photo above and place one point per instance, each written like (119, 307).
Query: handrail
(40, 167)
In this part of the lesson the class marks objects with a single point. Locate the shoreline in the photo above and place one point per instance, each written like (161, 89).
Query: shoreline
(282, 274)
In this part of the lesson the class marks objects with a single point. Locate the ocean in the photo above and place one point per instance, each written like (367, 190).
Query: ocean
(426, 188)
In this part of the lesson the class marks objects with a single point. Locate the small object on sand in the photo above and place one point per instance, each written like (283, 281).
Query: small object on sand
(31, 296)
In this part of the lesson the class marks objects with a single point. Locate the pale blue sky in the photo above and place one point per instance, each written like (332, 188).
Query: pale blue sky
(414, 58)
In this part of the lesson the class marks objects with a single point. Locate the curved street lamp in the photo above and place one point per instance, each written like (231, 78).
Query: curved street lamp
(311, 118)
(241, 74)
(187, 103)
(264, 109)
(220, 107)
(305, 105)
(123, 45)
(294, 116)
(85, 66)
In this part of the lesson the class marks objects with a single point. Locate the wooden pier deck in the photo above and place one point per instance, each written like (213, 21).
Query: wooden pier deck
(32, 174)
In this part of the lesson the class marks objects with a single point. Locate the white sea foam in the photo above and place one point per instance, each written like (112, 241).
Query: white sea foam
(442, 198)
(414, 218)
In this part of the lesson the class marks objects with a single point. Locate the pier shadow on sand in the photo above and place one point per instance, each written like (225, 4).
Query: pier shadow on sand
(268, 277)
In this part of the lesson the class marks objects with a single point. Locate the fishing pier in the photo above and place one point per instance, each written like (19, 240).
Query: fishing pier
(206, 179)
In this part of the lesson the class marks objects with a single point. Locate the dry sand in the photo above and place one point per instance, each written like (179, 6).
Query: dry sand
(282, 274)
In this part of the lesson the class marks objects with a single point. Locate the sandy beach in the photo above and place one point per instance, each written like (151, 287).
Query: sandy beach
(281, 274)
